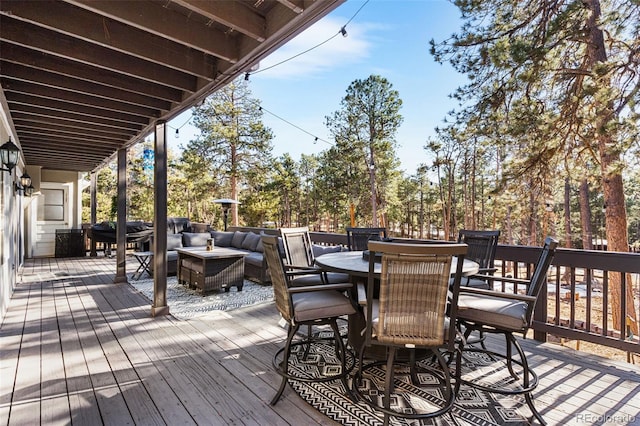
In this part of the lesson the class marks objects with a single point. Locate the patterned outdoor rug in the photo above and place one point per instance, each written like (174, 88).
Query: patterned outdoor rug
(185, 303)
(472, 407)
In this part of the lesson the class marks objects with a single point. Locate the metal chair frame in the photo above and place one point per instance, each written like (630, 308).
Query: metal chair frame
(529, 380)
(358, 238)
(482, 250)
(285, 298)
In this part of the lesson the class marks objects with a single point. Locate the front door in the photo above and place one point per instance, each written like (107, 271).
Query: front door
(53, 213)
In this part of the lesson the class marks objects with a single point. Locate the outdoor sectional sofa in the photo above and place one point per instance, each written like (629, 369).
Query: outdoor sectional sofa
(245, 239)
(255, 266)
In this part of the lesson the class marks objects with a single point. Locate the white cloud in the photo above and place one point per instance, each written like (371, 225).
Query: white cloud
(338, 52)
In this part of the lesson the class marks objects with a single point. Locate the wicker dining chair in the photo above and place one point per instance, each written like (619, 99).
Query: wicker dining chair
(358, 238)
(411, 312)
(506, 313)
(308, 305)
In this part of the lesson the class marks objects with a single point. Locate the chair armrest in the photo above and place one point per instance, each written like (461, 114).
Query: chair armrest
(504, 279)
(295, 272)
(321, 287)
(486, 271)
(493, 293)
(301, 268)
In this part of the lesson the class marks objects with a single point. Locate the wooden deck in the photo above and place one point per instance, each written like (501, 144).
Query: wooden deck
(76, 348)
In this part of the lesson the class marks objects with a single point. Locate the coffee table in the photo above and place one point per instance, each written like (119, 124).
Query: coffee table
(220, 268)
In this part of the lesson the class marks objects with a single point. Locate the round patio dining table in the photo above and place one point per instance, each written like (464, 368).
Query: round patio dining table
(354, 264)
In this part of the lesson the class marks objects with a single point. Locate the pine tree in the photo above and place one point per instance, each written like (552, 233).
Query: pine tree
(557, 81)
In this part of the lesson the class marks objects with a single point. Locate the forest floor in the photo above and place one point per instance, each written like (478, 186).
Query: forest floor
(580, 317)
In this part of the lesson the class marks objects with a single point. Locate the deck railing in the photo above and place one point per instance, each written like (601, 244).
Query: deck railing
(577, 303)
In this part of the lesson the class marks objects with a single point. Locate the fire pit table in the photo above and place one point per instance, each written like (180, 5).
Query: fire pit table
(210, 270)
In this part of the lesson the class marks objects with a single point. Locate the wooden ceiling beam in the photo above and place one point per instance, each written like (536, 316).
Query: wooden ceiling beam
(24, 120)
(108, 33)
(44, 128)
(73, 97)
(154, 18)
(87, 111)
(72, 116)
(17, 73)
(295, 5)
(38, 38)
(74, 166)
(62, 146)
(234, 15)
(53, 153)
(70, 138)
(59, 67)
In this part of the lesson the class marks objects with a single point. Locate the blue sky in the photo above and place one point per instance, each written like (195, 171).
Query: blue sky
(387, 37)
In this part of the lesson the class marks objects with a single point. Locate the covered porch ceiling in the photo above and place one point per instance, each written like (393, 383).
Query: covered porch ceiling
(84, 78)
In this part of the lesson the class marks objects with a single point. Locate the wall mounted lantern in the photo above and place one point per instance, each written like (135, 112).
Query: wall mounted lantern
(25, 185)
(9, 154)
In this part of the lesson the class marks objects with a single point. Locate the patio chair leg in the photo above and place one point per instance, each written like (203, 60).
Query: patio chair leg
(341, 352)
(510, 341)
(525, 382)
(388, 383)
(412, 367)
(284, 367)
(308, 346)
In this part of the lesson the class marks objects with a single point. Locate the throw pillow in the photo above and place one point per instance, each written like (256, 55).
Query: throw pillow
(320, 250)
(260, 247)
(238, 238)
(191, 239)
(174, 241)
(251, 241)
(222, 238)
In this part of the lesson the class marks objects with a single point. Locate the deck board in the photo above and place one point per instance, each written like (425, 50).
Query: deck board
(77, 348)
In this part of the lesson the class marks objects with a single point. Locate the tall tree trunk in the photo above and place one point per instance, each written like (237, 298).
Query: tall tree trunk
(612, 185)
(585, 216)
(567, 214)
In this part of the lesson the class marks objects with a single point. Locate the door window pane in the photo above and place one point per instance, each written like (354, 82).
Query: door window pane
(53, 205)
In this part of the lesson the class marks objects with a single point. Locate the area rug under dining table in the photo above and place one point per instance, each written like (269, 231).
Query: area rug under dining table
(472, 406)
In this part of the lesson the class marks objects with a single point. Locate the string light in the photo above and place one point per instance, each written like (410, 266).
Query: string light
(177, 134)
(316, 138)
(342, 31)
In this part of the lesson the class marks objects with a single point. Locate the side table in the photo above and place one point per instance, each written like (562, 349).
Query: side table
(144, 260)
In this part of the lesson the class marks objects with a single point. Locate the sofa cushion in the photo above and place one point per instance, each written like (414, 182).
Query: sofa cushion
(222, 238)
(238, 238)
(174, 241)
(254, 258)
(192, 239)
(251, 241)
(172, 256)
(320, 250)
(259, 246)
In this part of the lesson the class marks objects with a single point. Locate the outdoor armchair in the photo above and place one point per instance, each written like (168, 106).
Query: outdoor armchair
(311, 306)
(506, 313)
